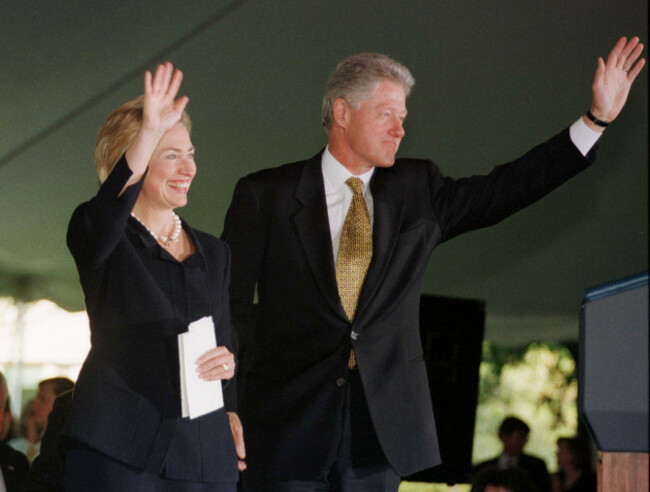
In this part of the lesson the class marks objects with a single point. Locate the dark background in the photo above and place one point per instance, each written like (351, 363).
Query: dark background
(492, 79)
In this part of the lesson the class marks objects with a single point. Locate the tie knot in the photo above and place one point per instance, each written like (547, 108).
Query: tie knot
(356, 184)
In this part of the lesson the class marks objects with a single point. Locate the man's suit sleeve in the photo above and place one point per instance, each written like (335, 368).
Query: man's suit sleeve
(245, 233)
(465, 204)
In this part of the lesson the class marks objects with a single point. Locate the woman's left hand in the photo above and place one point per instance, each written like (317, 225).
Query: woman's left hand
(216, 363)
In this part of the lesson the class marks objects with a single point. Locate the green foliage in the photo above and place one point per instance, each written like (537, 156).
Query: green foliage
(537, 383)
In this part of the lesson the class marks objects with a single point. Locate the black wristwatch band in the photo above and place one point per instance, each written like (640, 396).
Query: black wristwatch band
(596, 121)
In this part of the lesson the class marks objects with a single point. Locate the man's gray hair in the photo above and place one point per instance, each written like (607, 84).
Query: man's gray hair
(356, 78)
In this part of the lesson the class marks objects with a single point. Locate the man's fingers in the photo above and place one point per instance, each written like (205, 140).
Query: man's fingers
(600, 69)
(636, 70)
(614, 56)
(629, 47)
(631, 59)
(238, 437)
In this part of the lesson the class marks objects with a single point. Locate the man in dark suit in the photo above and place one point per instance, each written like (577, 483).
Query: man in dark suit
(13, 464)
(513, 433)
(334, 392)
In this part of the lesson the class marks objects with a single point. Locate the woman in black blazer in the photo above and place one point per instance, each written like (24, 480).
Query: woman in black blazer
(146, 275)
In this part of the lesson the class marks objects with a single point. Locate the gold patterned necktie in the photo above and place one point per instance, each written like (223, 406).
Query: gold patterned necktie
(355, 253)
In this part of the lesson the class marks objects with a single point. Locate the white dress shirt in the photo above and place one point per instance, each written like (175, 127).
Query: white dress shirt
(506, 462)
(582, 136)
(338, 195)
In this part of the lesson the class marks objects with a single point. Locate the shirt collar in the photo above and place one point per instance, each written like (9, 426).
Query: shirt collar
(508, 461)
(147, 240)
(141, 232)
(335, 174)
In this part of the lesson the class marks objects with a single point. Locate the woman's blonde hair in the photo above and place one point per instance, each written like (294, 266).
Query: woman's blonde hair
(118, 132)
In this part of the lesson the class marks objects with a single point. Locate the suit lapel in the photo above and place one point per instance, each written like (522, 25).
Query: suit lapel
(312, 226)
(387, 219)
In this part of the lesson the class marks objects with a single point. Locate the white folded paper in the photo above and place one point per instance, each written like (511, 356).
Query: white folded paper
(198, 396)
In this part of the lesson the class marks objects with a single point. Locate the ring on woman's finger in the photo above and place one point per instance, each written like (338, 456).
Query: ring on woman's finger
(225, 367)
(626, 69)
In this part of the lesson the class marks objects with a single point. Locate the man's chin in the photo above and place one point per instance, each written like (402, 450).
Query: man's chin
(386, 163)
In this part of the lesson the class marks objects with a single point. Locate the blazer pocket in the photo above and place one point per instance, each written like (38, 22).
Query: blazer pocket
(107, 418)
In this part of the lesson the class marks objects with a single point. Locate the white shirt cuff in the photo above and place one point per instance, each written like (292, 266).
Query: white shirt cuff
(583, 137)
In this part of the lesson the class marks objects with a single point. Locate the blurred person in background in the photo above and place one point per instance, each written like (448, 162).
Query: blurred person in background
(48, 390)
(6, 432)
(574, 463)
(33, 420)
(13, 464)
(28, 437)
(513, 433)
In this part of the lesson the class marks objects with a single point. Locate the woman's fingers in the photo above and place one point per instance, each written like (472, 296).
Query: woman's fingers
(217, 363)
(159, 76)
(161, 109)
(148, 88)
(174, 84)
(166, 81)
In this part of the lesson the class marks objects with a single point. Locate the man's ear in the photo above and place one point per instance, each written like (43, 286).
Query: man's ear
(341, 112)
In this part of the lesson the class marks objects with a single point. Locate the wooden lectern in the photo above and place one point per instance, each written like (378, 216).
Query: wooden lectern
(623, 472)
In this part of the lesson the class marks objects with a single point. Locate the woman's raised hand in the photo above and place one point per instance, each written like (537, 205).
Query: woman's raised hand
(161, 111)
(161, 108)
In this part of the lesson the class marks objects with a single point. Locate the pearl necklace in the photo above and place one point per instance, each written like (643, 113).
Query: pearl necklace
(173, 236)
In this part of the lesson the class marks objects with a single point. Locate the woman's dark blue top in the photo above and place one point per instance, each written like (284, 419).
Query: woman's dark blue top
(139, 298)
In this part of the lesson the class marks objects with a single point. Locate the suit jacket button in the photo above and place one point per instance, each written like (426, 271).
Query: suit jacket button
(340, 382)
(354, 335)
